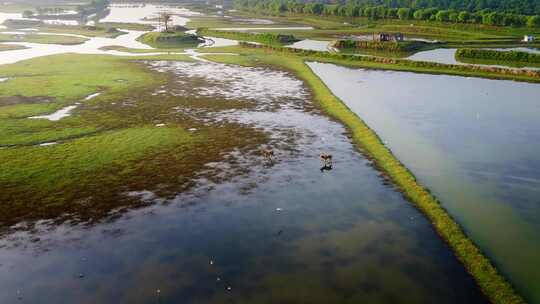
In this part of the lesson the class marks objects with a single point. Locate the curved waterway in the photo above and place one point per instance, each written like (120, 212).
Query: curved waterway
(473, 142)
(284, 231)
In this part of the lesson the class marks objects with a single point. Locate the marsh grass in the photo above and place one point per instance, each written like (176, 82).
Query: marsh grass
(126, 139)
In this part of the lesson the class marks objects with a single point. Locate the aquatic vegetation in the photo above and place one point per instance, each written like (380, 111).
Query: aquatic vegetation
(120, 137)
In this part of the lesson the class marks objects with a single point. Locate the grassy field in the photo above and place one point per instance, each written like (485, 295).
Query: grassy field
(43, 39)
(496, 288)
(111, 144)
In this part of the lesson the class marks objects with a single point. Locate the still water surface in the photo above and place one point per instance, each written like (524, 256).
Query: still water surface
(473, 142)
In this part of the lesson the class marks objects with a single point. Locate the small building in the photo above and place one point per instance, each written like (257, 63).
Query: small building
(388, 37)
(528, 38)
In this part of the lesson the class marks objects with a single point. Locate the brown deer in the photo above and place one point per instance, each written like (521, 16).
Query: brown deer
(268, 154)
(326, 159)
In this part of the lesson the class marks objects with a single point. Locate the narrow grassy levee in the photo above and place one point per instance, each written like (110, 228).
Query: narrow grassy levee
(44, 39)
(504, 56)
(491, 282)
(389, 46)
(266, 38)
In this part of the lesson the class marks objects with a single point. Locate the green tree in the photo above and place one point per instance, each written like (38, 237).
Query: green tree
(404, 13)
(442, 16)
(533, 21)
(464, 17)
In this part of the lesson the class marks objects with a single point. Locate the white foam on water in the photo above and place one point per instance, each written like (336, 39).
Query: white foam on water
(64, 112)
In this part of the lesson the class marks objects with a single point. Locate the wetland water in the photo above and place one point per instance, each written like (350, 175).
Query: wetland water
(273, 233)
(473, 142)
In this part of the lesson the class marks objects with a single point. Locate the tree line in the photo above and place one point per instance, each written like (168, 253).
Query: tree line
(387, 9)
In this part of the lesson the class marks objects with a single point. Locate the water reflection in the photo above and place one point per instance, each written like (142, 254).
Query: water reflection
(473, 142)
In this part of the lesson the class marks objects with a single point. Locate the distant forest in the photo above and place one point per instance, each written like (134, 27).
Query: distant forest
(489, 12)
(525, 7)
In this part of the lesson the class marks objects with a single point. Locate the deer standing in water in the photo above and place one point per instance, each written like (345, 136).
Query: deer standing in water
(326, 160)
(268, 154)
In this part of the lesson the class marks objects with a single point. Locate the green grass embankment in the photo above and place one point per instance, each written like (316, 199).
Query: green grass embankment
(389, 46)
(504, 56)
(265, 38)
(43, 39)
(492, 284)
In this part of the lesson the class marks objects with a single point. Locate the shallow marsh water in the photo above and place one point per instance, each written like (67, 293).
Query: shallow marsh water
(281, 232)
(473, 142)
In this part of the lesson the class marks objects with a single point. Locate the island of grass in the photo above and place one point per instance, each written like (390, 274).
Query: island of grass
(264, 38)
(388, 46)
(167, 40)
(494, 56)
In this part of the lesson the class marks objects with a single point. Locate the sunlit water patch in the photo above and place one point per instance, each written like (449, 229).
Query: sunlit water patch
(473, 142)
(56, 116)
